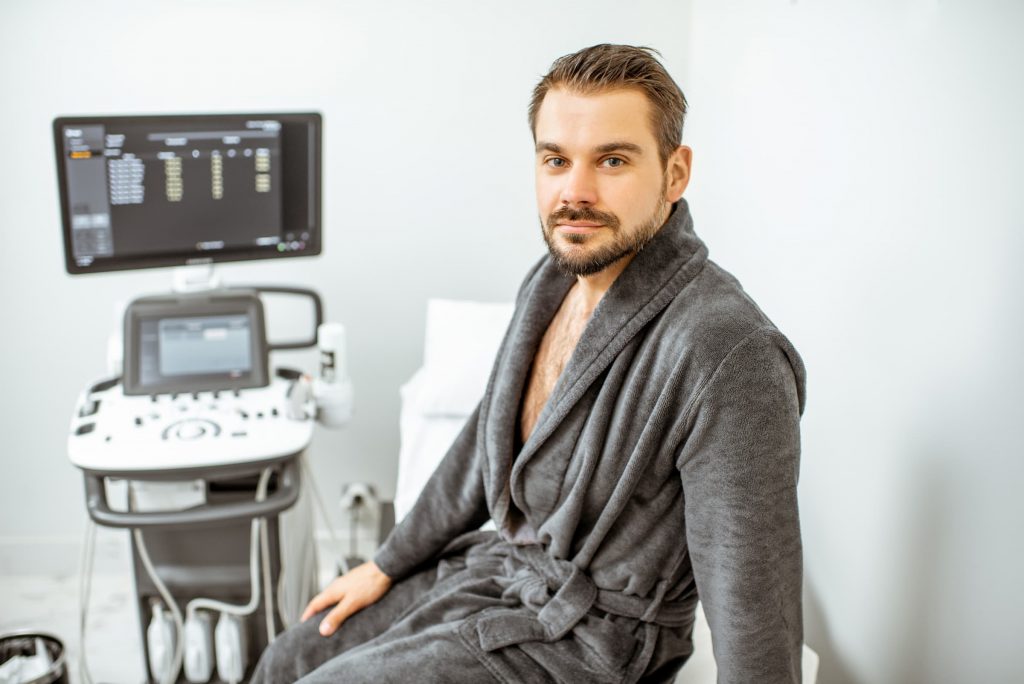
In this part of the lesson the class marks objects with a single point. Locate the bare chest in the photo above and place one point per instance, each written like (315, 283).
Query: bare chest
(556, 347)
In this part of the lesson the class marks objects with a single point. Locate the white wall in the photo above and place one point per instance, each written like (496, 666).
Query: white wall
(857, 165)
(428, 191)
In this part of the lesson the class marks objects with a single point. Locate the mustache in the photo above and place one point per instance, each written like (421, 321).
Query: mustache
(582, 214)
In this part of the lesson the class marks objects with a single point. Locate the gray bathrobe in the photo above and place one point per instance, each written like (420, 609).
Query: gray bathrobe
(663, 468)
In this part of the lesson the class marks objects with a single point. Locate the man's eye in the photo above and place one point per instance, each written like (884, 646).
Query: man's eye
(614, 162)
(556, 162)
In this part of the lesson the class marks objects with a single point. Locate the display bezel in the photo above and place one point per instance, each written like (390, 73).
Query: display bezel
(195, 306)
(309, 193)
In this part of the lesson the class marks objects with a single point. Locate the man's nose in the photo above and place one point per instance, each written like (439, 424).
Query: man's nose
(580, 187)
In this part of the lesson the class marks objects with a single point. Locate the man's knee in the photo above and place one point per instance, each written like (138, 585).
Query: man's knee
(296, 651)
(301, 649)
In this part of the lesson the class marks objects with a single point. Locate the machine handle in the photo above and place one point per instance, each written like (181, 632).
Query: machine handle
(284, 498)
(318, 312)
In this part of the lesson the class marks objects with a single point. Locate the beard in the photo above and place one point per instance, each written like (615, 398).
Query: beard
(584, 262)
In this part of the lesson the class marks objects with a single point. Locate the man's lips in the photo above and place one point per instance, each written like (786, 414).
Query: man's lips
(578, 226)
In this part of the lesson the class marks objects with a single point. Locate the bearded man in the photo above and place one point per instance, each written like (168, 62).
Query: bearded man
(637, 445)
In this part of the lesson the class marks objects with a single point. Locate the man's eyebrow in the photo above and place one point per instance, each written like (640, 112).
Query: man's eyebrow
(617, 146)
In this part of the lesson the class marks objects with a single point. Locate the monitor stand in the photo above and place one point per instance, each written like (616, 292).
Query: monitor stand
(195, 278)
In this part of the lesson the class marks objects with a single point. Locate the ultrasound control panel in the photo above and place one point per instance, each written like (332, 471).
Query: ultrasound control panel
(114, 432)
(196, 390)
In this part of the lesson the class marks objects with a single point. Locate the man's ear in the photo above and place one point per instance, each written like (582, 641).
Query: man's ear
(678, 172)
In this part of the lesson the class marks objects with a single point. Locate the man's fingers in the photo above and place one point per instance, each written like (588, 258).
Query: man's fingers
(346, 595)
(319, 602)
(333, 619)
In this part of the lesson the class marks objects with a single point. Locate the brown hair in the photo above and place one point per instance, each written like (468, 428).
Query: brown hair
(606, 67)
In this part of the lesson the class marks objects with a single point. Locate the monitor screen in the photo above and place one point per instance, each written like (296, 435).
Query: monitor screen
(149, 191)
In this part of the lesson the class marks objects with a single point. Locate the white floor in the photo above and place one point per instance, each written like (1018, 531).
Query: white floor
(50, 604)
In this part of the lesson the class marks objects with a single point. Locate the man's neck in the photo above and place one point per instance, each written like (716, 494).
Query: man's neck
(589, 289)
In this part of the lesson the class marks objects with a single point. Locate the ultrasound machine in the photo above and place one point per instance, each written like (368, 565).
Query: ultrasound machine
(195, 442)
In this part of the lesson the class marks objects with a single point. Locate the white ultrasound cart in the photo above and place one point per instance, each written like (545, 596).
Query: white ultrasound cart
(195, 443)
(192, 445)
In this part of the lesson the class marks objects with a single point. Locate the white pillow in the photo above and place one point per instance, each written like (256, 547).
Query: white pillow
(462, 340)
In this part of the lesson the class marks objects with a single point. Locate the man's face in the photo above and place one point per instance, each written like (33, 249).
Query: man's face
(602, 191)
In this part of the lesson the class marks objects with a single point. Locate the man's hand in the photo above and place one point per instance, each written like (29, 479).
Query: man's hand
(360, 587)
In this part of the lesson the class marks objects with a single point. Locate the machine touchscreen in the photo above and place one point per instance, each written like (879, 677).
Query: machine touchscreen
(190, 343)
(195, 346)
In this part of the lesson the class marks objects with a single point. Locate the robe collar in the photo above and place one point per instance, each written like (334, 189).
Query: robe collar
(644, 288)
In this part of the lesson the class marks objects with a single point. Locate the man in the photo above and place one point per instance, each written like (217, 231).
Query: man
(637, 444)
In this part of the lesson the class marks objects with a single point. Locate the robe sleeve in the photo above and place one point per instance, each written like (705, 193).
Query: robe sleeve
(451, 503)
(739, 468)
(454, 500)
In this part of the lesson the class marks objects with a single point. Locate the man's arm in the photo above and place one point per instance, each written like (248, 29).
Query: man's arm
(452, 502)
(739, 468)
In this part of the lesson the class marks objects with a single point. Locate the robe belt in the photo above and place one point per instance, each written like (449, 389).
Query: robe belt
(531, 575)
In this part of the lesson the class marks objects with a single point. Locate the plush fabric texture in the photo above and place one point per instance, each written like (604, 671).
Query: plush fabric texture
(664, 466)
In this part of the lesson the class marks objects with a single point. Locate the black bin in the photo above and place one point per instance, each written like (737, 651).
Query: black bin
(24, 644)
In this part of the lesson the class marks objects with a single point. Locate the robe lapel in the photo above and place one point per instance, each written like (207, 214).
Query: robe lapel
(500, 408)
(654, 277)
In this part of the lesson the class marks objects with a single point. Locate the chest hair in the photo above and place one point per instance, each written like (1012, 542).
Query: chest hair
(554, 352)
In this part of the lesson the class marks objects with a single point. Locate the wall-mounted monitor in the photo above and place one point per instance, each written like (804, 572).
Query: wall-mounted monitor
(149, 191)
